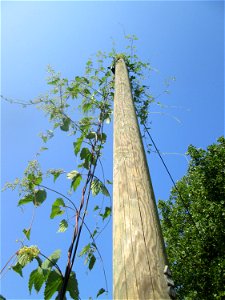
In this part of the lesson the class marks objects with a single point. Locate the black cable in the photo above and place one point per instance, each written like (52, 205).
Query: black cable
(168, 172)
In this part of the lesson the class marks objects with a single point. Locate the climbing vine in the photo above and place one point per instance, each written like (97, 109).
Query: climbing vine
(89, 96)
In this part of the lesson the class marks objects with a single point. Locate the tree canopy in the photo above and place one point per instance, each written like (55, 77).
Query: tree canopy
(193, 224)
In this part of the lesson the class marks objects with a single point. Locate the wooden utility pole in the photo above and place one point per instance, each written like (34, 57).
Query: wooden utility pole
(139, 258)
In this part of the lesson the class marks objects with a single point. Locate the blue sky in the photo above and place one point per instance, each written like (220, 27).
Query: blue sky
(179, 38)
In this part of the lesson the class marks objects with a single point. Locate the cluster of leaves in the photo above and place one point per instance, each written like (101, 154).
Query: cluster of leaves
(91, 97)
(193, 224)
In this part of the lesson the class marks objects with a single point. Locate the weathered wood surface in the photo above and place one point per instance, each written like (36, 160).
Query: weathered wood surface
(138, 250)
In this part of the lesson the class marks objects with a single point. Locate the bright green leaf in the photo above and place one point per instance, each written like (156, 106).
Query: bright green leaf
(73, 174)
(97, 186)
(107, 213)
(56, 208)
(26, 199)
(77, 145)
(36, 280)
(63, 225)
(50, 262)
(85, 250)
(27, 233)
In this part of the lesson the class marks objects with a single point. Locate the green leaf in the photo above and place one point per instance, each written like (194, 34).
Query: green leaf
(26, 199)
(97, 186)
(85, 250)
(63, 225)
(27, 233)
(107, 213)
(56, 173)
(53, 284)
(76, 178)
(100, 292)
(39, 197)
(50, 262)
(91, 135)
(85, 154)
(2, 298)
(102, 137)
(34, 179)
(18, 269)
(56, 208)
(66, 124)
(36, 280)
(104, 190)
(73, 174)
(91, 262)
(72, 286)
(87, 106)
(96, 207)
(77, 145)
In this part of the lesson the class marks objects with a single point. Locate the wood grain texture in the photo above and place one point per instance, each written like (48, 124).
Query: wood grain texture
(138, 250)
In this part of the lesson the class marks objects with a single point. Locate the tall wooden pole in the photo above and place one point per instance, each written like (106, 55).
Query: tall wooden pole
(138, 250)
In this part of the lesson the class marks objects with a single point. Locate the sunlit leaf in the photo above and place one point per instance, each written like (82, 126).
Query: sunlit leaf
(26, 199)
(63, 225)
(36, 280)
(77, 145)
(27, 233)
(85, 250)
(56, 208)
(50, 261)
(107, 213)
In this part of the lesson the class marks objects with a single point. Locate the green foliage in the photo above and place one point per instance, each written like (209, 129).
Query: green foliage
(73, 286)
(107, 213)
(56, 208)
(24, 256)
(52, 284)
(98, 187)
(27, 233)
(76, 178)
(63, 225)
(36, 280)
(88, 251)
(90, 96)
(100, 292)
(193, 223)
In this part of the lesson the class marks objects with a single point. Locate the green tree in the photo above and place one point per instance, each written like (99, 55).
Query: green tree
(193, 224)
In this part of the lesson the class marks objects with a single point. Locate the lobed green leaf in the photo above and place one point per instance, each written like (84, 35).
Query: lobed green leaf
(53, 284)
(56, 208)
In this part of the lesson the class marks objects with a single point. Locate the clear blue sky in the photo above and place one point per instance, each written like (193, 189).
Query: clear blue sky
(179, 38)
